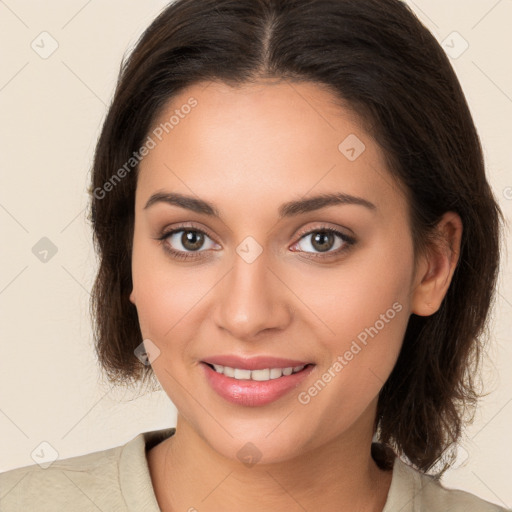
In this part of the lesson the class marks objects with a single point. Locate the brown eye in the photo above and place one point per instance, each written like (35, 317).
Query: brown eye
(325, 240)
(192, 240)
(186, 242)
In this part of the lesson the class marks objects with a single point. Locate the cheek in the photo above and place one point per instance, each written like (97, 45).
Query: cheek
(352, 296)
(164, 303)
(365, 308)
(158, 292)
(359, 358)
(376, 322)
(169, 297)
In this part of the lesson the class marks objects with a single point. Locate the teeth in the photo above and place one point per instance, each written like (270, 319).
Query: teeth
(218, 368)
(242, 374)
(259, 375)
(275, 373)
(229, 372)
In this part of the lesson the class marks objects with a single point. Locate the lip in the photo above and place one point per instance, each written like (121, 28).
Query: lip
(252, 393)
(254, 363)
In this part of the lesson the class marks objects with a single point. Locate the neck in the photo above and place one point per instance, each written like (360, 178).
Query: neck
(339, 476)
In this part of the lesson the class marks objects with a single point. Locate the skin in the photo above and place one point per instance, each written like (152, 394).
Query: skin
(248, 150)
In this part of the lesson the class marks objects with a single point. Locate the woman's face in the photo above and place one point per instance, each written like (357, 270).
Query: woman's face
(265, 286)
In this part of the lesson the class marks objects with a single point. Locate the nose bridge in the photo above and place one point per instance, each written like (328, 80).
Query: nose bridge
(252, 298)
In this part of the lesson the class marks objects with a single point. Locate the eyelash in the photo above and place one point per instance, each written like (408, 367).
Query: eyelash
(181, 255)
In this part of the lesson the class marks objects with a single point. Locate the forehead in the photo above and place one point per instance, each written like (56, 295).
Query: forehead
(258, 142)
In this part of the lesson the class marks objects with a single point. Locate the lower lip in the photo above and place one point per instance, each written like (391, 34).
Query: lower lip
(253, 393)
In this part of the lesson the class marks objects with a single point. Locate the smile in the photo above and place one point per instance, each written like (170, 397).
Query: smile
(259, 375)
(257, 386)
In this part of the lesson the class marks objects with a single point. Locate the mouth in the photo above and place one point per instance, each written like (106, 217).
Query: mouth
(251, 387)
(262, 375)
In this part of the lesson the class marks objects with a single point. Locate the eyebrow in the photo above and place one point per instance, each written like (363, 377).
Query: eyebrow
(289, 209)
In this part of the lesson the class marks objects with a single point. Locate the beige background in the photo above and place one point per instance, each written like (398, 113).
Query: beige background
(52, 110)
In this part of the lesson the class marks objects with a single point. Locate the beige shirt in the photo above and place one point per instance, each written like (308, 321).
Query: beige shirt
(118, 479)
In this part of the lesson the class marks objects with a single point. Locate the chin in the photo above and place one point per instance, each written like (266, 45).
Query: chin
(256, 446)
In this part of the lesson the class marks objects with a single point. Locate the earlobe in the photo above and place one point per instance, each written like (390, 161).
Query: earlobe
(132, 297)
(436, 269)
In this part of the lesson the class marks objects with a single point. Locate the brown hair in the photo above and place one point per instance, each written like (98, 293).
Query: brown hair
(378, 58)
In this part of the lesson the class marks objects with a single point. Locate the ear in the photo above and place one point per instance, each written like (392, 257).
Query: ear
(435, 270)
(132, 297)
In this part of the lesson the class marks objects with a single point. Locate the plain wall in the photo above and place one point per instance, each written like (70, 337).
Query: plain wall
(52, 110)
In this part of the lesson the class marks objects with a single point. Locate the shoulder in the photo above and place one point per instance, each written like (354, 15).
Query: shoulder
(413, 491)
(113, 479)
(85, 482)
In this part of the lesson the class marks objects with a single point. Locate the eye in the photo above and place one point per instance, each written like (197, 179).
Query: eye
(325, 240)
(182, 242)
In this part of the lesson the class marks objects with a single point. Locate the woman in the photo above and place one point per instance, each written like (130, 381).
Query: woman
(298, 240)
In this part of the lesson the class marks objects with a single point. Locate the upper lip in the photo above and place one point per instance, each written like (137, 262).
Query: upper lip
(253, 363)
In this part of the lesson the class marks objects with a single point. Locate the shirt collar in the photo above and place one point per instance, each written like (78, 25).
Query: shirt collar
(139, 495)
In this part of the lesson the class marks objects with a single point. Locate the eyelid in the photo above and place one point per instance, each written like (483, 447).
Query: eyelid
(325, 227)
(168, 231)
(347, 243)
(348, 240)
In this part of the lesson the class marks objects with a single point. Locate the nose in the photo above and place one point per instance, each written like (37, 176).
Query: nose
(251, 299)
